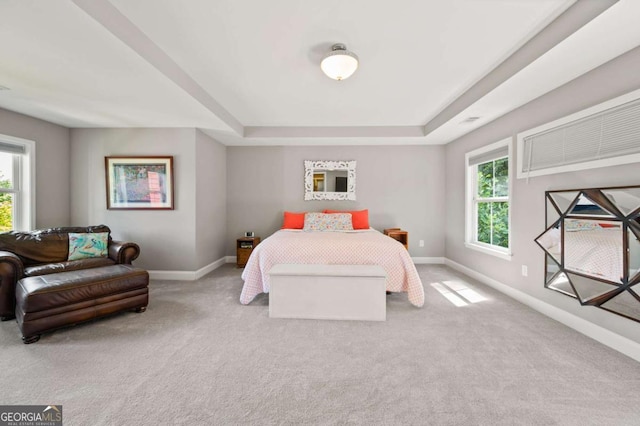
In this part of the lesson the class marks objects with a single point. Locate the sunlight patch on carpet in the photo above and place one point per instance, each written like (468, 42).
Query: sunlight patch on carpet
(449, 295)
(458, 293)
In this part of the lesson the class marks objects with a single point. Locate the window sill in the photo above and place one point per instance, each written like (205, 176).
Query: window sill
(506, 255)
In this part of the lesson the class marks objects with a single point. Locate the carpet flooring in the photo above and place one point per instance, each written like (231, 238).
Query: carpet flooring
(198, 357)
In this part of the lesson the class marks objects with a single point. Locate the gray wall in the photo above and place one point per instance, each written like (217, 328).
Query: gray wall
(418, 188)
(166, 237)
(211, 200)
(52, 165)
(608, 81)
(402, 186)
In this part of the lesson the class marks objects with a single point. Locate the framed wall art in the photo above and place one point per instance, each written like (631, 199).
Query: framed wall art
(139, 183)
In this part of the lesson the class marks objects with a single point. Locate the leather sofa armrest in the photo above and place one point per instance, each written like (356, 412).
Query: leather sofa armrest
(11, 270)
(123, 251)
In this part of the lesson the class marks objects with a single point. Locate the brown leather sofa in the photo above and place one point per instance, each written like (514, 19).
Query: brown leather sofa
(43, 252)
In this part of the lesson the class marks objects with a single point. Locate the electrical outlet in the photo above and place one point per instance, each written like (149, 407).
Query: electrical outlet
(421, 243)
(524, 270)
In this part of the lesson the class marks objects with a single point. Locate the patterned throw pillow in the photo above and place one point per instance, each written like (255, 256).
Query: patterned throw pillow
(82, 246)
(327, 222)
(572, 225)
(359, 218)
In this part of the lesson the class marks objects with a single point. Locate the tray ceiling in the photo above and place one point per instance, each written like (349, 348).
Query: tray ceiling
(247, 72)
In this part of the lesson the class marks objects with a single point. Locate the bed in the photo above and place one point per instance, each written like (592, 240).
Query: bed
(357, 247)
(594, 248)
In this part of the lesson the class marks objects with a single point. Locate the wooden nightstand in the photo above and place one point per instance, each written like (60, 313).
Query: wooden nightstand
(398, 234)
(244, 247)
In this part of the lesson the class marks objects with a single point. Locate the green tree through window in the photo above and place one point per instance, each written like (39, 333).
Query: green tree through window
(492, 202)
(6, 205)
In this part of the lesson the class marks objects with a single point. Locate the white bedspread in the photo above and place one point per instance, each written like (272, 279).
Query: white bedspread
(596, 252)
(366, 247)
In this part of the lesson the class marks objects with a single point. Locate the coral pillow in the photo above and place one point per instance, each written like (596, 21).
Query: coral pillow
(608, 225)
(293, 220)
(359, 218)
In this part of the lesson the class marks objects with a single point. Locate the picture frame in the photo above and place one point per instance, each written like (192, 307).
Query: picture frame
(139, 183)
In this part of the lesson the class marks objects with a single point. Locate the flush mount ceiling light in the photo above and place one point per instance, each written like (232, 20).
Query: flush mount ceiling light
(339, 63)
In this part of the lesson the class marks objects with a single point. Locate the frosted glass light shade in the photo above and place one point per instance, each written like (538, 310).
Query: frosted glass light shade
(339, 63)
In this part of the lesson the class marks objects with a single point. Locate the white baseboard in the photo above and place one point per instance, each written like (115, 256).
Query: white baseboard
(589, 329)
(192, 276)
(427, 260)
(187, 275)
(416, 260)
(210, 267)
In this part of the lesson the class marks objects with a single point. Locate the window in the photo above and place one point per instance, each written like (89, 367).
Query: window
(17, 205)
(488, 193)
(7, 191)
(604, 135)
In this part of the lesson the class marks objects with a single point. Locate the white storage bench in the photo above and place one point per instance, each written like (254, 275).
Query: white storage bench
(340, 292)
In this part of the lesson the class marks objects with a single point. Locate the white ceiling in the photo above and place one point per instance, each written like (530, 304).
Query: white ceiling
(247, 72)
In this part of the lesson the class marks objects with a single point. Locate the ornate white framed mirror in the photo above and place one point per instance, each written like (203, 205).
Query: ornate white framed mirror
(329, 180)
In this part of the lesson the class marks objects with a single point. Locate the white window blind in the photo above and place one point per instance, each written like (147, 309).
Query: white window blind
(12, 148)
(607, 134)
(493, 154)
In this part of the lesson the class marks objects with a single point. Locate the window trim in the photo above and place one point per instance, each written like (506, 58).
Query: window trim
(470, 208)
(24, 185)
